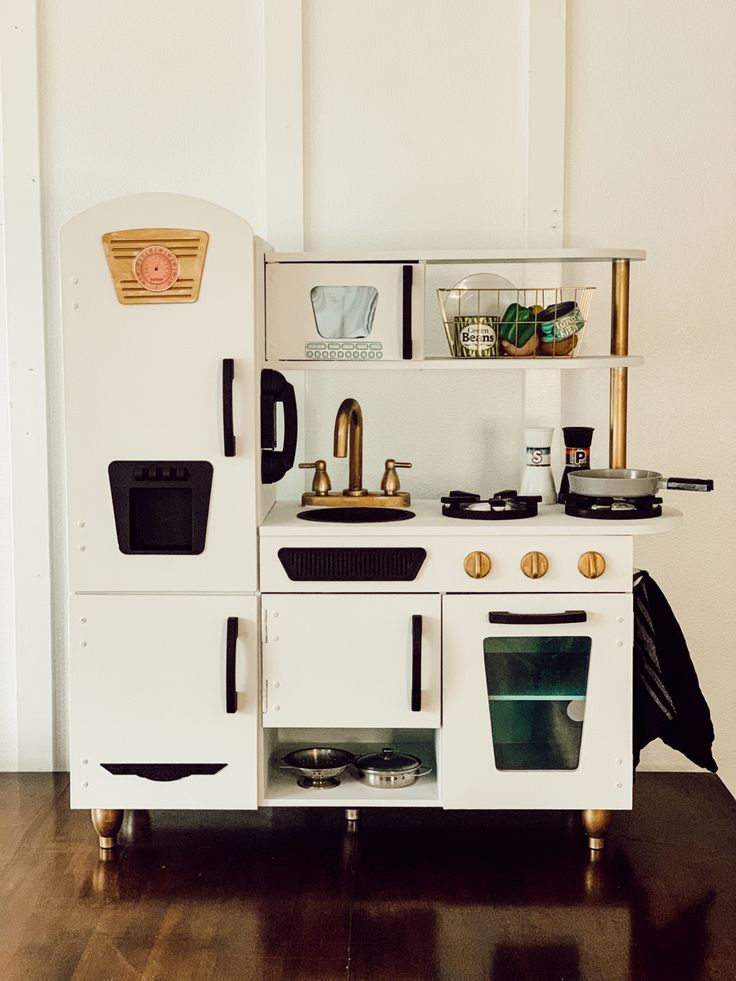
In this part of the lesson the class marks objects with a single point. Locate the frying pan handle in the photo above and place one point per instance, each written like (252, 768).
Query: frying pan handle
(688, 484)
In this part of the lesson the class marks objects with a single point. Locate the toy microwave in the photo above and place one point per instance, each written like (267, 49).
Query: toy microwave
(351, 311)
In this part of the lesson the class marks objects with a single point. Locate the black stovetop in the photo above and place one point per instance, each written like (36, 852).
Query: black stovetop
(506, 505)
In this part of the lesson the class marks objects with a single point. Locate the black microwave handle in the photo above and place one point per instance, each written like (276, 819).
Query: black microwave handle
(569, 616)
(228, 426)
(274, 389)
(407, 281)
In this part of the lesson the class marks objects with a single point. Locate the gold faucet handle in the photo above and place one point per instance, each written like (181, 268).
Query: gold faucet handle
(390, 483)
(321, 481)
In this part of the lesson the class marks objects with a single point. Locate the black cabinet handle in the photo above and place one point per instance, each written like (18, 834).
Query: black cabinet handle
(274, 389)
(416, 663)
(228, 428)
(569, 616)
(231, 694)
(406, 287)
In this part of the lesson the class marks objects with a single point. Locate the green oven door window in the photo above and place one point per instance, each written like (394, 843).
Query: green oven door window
(536, 690)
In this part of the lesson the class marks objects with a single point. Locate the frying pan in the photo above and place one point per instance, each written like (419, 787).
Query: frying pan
(630, 483)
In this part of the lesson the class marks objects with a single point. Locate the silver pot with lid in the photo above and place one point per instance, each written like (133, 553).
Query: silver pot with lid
(389, 769)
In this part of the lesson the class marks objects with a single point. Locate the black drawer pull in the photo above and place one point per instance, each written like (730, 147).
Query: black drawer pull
(162, 772)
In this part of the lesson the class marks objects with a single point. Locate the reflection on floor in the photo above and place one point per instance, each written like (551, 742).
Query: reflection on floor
(410, 895)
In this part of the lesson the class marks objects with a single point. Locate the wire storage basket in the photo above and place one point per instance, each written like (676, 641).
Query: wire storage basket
(532, 322)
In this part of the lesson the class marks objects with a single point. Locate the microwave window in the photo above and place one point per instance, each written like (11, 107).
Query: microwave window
(342, 312)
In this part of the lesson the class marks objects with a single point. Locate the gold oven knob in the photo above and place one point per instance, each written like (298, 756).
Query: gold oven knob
(591, 565)
(534, 565)
(477, 565)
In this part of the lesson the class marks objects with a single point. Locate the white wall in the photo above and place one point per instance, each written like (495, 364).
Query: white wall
(651, 151)
(415, 121)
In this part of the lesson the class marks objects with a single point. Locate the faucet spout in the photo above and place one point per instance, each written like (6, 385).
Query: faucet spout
(349, 440)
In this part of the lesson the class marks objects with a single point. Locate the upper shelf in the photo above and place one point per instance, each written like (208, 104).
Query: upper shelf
(471, 255)
(467, 364)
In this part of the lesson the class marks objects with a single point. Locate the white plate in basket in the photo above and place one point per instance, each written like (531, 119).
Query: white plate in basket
(494, 304)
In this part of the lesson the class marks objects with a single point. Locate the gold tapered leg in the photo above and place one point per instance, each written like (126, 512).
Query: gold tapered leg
(107, 824)
(596, 824)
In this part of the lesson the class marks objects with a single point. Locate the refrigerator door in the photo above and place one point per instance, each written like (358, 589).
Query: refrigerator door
(161, 396)
(164, 701)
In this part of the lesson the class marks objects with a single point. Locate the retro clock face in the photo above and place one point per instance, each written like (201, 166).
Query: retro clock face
(156, 268)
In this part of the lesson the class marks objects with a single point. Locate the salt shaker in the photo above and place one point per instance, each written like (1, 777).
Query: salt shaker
(536, 478)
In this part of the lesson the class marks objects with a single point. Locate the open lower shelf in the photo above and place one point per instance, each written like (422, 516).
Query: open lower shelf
(281, 789)
(465, 364)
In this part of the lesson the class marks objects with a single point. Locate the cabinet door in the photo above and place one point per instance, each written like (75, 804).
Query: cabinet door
(146, 388)
(351, 661)
(537, 715)
(164, 701)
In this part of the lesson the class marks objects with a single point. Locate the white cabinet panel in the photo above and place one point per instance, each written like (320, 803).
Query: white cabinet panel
(144, 383)
(537, 715)
(345, 660)
(149, 683)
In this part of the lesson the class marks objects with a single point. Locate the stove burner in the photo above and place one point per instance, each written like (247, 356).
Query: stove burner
(613, 508)
(506, 505)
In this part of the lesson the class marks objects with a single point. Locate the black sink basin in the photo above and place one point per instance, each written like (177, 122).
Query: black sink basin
(359, 515)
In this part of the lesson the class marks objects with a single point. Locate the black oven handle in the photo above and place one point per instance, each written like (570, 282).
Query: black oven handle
(569, 616)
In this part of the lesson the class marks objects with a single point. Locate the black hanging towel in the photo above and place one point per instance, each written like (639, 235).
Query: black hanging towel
(668, 702)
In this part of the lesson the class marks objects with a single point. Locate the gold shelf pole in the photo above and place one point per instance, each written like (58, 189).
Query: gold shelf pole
(619, 376)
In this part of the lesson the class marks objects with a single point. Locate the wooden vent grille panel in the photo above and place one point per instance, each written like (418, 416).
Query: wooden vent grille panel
(189, 247)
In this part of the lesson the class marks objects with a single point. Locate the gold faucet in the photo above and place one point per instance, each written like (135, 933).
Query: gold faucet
(349, 436)
(348, 442)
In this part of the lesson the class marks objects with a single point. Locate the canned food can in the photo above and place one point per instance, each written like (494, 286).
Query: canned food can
(475, 337)
(560, 320)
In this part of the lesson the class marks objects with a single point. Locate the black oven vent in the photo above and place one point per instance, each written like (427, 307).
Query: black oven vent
(162, 772)
(352, 564)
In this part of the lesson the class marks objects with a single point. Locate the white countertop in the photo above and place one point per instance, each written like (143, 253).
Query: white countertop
(282, 521)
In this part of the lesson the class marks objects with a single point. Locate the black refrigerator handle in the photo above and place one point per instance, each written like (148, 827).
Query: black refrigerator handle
(274, 389)
(228, 427)
(231, 693)
(569, 616)
(416, 663)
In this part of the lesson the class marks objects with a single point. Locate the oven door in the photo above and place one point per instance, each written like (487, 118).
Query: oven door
(537, 701)
(357, 311)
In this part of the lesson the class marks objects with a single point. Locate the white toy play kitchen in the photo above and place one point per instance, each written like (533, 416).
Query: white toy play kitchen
(213, 631)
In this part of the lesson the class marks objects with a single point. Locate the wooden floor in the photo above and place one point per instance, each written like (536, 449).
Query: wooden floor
(292, 894)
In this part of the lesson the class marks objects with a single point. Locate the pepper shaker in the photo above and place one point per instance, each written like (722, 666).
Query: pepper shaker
(577, 454)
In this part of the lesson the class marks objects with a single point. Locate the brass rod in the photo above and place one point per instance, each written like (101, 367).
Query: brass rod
(620, 348)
